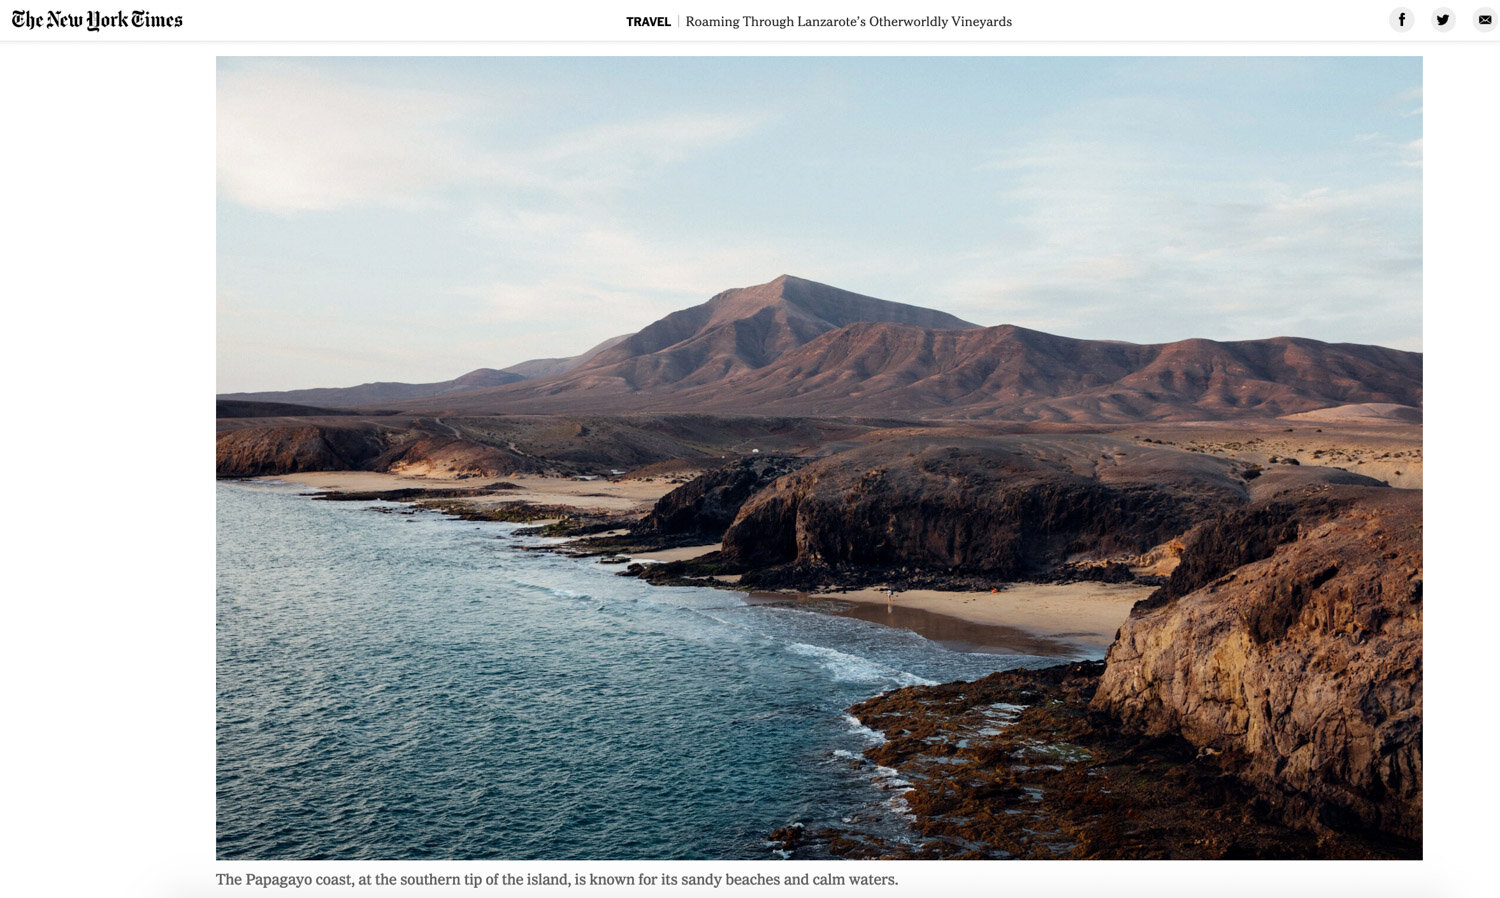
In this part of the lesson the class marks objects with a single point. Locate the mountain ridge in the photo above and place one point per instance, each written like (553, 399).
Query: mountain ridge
(793, 346)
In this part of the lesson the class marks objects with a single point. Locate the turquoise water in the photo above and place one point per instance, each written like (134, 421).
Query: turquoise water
(397, 684)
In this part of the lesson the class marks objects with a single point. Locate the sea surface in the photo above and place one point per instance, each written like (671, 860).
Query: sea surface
(397, 684)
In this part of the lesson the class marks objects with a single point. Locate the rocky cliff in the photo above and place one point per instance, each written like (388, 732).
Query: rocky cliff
(1290, 643)
(703, 508)
(922, 509)
(288, 448)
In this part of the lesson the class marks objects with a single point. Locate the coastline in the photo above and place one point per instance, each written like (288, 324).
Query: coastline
(599, 496)
(1076, 763)
(1083, 614)
(1071, 621)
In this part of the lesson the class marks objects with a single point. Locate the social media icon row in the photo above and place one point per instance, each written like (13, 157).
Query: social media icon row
(1402, 19)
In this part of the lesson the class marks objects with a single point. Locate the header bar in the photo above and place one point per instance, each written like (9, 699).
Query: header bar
(1085, 21)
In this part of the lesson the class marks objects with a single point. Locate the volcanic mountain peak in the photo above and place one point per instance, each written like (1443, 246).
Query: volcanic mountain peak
(824, 304)
(747, 328)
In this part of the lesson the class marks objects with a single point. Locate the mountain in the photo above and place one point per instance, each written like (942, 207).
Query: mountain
(381, 392)
(799, 348)
(735, 332)
(1017, 374)
(387, 392)
(795, 347)
(550, 367)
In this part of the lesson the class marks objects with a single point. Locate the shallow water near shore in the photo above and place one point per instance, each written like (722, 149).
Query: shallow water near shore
(405, 685)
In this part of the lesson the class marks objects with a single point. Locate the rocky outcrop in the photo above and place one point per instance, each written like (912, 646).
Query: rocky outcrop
(358, 446)
(1290, 642)
(555, 445)
(287, 449)
(703, 508)
(1001, 508)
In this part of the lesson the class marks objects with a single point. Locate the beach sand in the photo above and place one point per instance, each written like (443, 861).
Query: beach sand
(679, 554)
(1037, 618)
(613, 496)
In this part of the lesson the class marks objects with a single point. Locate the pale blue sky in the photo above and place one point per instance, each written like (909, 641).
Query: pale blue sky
(414, 219)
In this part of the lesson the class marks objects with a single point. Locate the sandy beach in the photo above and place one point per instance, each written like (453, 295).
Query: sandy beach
(679, 554)
(614, 496)
(1079, 615)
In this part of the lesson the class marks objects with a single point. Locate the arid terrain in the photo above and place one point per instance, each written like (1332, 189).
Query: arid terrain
(1234, 527)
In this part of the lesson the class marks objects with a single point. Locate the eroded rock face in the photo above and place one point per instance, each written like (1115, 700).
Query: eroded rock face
(704, 507)
(1304, 668)
(357, 446)
(255, 451)
(1003, 508)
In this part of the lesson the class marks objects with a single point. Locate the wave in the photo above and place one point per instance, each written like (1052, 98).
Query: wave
(848, 668)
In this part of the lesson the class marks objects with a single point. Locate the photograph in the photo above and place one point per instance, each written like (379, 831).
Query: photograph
(817, 458)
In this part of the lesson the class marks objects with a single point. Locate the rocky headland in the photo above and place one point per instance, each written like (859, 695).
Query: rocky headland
(1266, 703)
(1265, 700)
(1300, 670)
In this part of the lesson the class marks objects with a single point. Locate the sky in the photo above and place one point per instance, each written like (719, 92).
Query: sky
(412, 219)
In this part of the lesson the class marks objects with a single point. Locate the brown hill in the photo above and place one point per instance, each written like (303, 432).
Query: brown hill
(1006, 373)
(549, 367)
(1017, 374)
(381, 392)
(735, 332)
(795, 347)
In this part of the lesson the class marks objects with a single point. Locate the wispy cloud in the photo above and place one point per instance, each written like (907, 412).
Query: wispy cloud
(1174, 251)
(302, 140)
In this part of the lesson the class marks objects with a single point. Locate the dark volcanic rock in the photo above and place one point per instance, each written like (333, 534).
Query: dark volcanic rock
(254, 451)
(489, 446)
(703, 508)
(1005, 508)
(1016, 765)
(1303, 668)
(358, 446)
(1235, 538)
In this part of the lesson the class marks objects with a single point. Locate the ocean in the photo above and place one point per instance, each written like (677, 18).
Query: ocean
(398, 684)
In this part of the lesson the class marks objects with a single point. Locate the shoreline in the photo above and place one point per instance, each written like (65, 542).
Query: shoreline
(612, 497)
(1065, 626)
(1074, 621)
(1073, 762)
(1069, 621)
(1085, 615)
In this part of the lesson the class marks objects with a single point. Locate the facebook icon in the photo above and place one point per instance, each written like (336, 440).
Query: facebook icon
(1402, 19)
